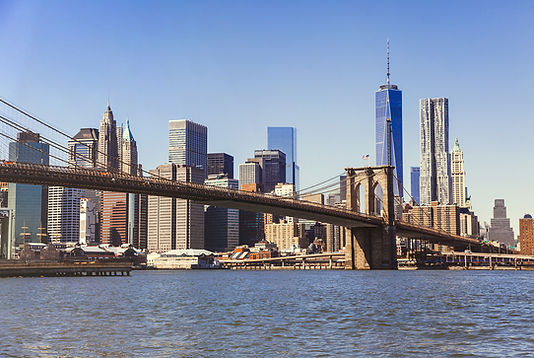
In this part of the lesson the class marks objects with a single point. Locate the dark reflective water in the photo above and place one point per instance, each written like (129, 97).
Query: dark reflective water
(270, 313)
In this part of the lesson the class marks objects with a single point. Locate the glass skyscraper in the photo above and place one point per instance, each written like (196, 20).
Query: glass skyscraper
(285, 140)
(28, 201)
(414, 182)
(388, 104)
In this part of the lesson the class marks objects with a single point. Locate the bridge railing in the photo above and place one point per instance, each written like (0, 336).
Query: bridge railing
(222, 193)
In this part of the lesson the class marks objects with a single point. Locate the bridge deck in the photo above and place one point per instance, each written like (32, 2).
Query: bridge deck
(211, 195)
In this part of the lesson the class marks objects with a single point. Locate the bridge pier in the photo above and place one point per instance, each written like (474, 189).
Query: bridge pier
(371, 249)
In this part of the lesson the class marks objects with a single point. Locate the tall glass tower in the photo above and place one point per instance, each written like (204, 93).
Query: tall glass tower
(388, 103)
(285, 140)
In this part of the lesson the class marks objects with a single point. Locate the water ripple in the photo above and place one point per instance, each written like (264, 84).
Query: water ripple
(270, 313)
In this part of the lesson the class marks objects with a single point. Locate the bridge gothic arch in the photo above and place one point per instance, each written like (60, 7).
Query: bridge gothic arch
(372, 247)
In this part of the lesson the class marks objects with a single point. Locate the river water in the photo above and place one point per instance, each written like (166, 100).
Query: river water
(270, 313)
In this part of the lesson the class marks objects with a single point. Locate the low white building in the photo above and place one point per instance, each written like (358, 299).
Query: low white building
(184, 259)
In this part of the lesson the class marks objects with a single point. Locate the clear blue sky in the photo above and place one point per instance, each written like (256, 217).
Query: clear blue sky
(240, 66)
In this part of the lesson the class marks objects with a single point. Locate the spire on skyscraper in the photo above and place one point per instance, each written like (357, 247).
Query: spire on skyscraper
(127, 133)
(387, 73)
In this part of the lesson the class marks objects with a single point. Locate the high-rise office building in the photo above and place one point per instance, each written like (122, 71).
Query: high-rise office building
(273, 164)
(221, 163)
(64, 203)
(500, 229)
(175, 223)
(64, 214)
(285, 140)
(250, 173)
(251, 228)
(435, 179)
(83, 148)
(388, 105)
(129, 163)
(29, 202)
(415, 172)
(188, 143)
(458, 175)
(108, 151)
(221, 224)
(120, 212)
(137, 203)
(526, 235)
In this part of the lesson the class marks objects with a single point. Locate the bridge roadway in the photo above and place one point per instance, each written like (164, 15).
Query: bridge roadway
(107, 181)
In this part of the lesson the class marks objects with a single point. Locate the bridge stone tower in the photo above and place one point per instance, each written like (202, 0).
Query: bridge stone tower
(371, 247)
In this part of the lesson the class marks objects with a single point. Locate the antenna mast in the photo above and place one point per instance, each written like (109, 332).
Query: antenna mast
(387, 74)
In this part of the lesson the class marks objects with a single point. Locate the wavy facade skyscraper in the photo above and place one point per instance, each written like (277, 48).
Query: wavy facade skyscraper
(435, 180)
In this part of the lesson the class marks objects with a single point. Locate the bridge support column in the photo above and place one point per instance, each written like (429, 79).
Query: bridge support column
(371, 249)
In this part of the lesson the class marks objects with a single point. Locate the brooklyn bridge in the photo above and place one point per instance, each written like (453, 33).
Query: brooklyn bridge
(371, 233)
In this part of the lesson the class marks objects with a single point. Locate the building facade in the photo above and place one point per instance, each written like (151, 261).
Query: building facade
(526, 235)
(188, 144)
(88, 222)
(221, 163)
(221, 228)
(273, 167)
(108, 150)
(458, 175)
(250, 173)
(286, 235)
(64, 214)
(285, 140)
(435, 178)
(500, 229)
(415, 173)
(175, 223)
(28, 202)
(388, 105)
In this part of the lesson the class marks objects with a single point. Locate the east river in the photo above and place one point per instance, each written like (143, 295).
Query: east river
(270, 313)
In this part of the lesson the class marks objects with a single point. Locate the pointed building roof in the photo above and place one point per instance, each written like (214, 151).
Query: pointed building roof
(127, 133)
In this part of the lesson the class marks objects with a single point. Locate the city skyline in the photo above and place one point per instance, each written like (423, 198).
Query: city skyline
(315, 94)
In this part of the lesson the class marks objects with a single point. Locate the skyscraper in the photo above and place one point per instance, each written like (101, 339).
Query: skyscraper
(273, 167)
(64, 203)
(250, 173)
(221, 163)
(63, 223)
(175, 223)
(285, 140)
(251, 223)
(188, 143)
(388, 103)
(129, 163)
(120, 217)
(108, 152)
(83, 148)
(500, 229)
(29, 202)
(458, 175)
(221, 224)
(415, 173)
(435, 180)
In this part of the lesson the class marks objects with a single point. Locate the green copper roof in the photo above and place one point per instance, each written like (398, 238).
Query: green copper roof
(127, 133)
